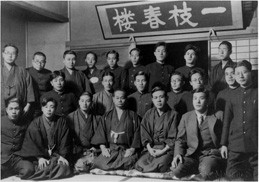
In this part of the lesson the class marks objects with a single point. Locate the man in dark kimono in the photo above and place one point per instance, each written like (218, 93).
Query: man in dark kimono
(118, 137)
(91, 72)
(135, 58)
(158, 134)
(66, 100)
(120, 75)
(225, 94)
(159, 71)
(76, 80)
(217, 81)
(47, 144)
(240, 130)
(41, 79)
(15, 81)
(83, 124)
(13, 128)
(198, 141)
(102, 101)
(140, 101)
(191, 54)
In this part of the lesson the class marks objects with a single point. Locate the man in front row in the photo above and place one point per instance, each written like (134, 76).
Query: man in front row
(197, 143)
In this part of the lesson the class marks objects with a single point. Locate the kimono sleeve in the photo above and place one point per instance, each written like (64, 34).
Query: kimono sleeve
(146, 130)
(136, 143)
(30, 89)
(99, 137)
(87, 84)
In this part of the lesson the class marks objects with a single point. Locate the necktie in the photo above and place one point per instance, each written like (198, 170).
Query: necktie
(201, 119)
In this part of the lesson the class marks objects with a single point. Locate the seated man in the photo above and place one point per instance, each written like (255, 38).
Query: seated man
(118, 137)
(13, 129)
(197, 144)
(158, 133)
(47, 143)
(83, 124)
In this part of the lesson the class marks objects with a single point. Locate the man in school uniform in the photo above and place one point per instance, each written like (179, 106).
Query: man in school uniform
(217, 81)
(159, 71)
(240, 130)
(198, 141)
(76, 81)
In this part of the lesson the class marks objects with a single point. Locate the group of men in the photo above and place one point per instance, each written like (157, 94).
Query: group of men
(150, 118)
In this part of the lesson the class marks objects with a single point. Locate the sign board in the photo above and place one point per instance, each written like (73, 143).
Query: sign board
(168, 17)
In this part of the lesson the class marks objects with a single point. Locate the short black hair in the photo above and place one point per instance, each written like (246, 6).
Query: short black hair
(57, 73)
(69, 52)
(158, 87)
(244, 63)
(122, 90)
(196, 49)
(108, 73)
(160, 44)
(228, 44)
(113, 52)
(88, 94)
(179, 74)
(135, 49)
(203, 90)
(47, 99)
(39, 54)
(11, 45)
(196, 70)
(13, 100)
(140, 73)
(91, 52)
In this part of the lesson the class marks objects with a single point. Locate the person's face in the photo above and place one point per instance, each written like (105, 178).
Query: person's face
(160, 53)
(230, 76)
(190, 57)
(69, 61)
(200, 102)
(119, 99)
(38, 62)
(134, 57)
(107, 83)
(243, 76)
(49, 109)
(85, 103)
(140, 83)
(58, 83)
(90, 60)
(159, 99)
(9, 55)
(196, 81)
(176, 82)
(111, 60)
(13, 111)
(224, 52)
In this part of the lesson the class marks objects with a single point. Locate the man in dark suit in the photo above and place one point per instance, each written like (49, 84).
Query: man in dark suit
(13, 129)
(240, 130)
(198, 140)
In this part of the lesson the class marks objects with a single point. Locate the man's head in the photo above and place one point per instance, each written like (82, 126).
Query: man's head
(191, 53)
(140, 81)
(39, 60)
(69, 59)
(135, 56)
(224, 50)
(243, 73)
(119, 98)
(108, 81)
(85, 101)
(197, 78)
(48, 107)
(230, 76)
(159, 97)
(177, 81)
(10, 53)
(91, 59)
(13, 109)
(200, 99)
(160, 52)
(112, 58)
(57, 80)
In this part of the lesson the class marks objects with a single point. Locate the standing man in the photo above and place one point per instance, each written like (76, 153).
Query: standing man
(76, 81)
(159, 71)
(15, 81)
(40, 77)
(217, 80)
(240, 130)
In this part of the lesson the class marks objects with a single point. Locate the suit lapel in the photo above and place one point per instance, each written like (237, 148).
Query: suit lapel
(211, 122)
(193, 128)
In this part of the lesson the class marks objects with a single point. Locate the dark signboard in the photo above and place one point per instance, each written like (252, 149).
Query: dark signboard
(168, 17)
